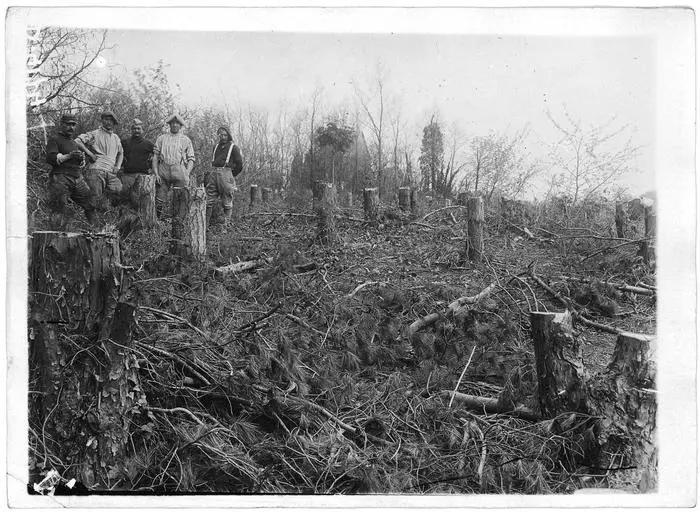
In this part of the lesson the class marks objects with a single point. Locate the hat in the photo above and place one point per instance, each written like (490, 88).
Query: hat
(69, 118)
(136, 122)
(109, 113)
(175, 117)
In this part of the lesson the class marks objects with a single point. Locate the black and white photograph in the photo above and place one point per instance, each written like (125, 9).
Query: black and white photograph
(350, 257)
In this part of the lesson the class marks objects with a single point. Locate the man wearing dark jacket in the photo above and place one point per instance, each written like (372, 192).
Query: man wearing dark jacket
(66, 178)
(138, 155)
(227, 163)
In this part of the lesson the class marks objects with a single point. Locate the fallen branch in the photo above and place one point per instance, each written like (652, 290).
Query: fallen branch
(491, 405)
(438, 210)
(172, 316)
(360, 287)
(452, 309)
(641, 240)
(242, 266)
(618, 286)
(304, 324)
(176, 358)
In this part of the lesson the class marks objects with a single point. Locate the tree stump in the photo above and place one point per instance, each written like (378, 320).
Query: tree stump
(196, 226)
(475, 229)
(370, 203)
(624, 397)
(326, 213)
(620, 219)
(405, 198)
(316, 194)
(348, 198)
(144, 198)
(85, 382)
(181, 210)
(647, 248)
(254, 196)
(415, 205)
(266, 194)
(561, 386)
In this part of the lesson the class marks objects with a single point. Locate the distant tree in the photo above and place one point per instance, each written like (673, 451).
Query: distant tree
(432, 155)
(590, 158)
(375, 116)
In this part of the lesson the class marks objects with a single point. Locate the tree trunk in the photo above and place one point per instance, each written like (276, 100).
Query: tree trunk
(475, 229)
(415, 206)
(647, 247)
(404, 198)
(620, 219)
(266, 195)
(624, 397)
(560, 381)
(81, 377)
(144, 194)
(196, 228)
(326, 213)
(254, 196)
(370, 197)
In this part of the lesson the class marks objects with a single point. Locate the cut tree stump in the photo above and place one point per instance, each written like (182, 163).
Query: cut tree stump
(144, 197)
(475, 229)
(624, 397)
(647, 248)
(370, 204)
(188, 228)
(254, 196)
(620, 219)
(74, 285)
(405, 198)
(326, 213)
(266, 194)
(561, 386)
(415, 206)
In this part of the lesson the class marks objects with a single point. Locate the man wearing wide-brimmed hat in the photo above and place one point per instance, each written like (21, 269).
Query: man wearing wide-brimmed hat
(66, 178)
(173, 159)
(104, 149)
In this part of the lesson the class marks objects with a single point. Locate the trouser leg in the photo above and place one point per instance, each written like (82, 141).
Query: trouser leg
(59, 191)
(81, 196)
(212, 194)
(226, 185)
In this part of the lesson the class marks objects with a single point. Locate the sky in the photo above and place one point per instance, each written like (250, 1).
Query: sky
(479, 82)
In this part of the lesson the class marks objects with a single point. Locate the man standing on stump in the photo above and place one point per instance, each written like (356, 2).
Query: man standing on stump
(104, 149)
(66, 179)
(227, 163)
(173, 161)
(138, 157)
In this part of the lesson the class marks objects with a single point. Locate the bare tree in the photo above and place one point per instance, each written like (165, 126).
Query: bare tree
(375, 116)
(590, 158)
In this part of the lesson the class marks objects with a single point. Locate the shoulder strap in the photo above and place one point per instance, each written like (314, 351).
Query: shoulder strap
(228, 155)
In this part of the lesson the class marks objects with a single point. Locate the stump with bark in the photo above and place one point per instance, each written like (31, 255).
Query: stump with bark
(266, 195)
(561, 386)
(326, 212)
(81, 367)
(181, 210)
(370, 203)
(415, 205)
(254, 196)
(144, 197)
(620, 219)
(405, 198)
(647, 248)
(475, 229)
(624, 397)
(188, 228)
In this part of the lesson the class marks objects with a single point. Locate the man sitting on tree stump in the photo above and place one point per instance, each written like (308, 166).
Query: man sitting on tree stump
(227, 163)
(104, 149)
(66, 179)
(138, 156)
(173, 161)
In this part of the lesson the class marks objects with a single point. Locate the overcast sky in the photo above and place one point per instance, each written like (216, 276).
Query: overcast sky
(481, 82)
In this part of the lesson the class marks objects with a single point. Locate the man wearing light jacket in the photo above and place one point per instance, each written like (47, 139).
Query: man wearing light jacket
(227, 163)
(173, 159)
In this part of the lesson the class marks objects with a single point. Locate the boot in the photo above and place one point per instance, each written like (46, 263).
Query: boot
(227, 216)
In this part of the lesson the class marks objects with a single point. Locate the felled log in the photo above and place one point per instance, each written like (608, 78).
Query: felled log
(144, 196)
(242, 266)
(624, 398)
(475, 229)
(618, 286)
(326, 213)
(74, 283)
(370, 204)
(561, 386)
(490, 405)
(404, 198)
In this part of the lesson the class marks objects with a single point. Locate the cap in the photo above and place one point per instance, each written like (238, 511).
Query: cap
(109, 113)
(175, 117)
(136, 122)
(69, 118)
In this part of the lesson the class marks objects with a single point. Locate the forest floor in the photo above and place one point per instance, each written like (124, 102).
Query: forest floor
(299, 376)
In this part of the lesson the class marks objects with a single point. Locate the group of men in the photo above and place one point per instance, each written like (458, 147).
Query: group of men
(97, 166)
